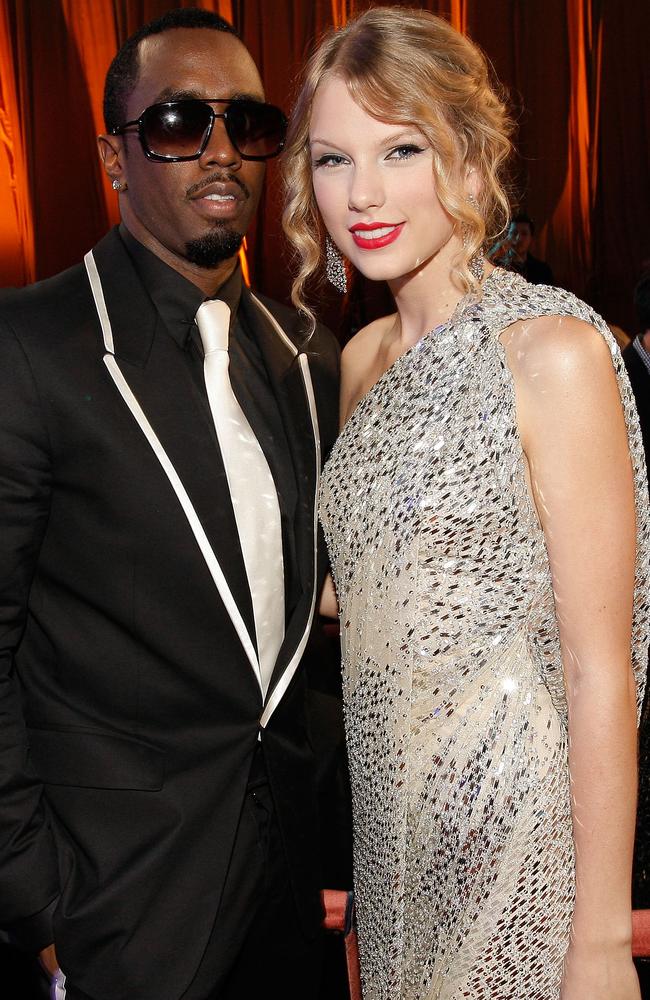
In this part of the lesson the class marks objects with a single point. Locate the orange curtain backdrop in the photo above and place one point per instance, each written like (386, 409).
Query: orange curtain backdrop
(17, 260)
(132, 14)
(56, 123)
(458, 15)
(570, 222)
(340, 12)
(92, 25)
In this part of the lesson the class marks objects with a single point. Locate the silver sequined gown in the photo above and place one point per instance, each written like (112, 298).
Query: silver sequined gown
(455, 707)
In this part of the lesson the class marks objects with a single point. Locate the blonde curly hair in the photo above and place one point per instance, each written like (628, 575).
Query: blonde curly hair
(408, 67)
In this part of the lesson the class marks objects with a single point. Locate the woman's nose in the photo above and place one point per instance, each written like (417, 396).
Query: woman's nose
(366, 190)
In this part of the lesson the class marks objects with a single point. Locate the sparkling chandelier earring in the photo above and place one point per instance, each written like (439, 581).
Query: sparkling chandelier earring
(476, 263)
(334, 266)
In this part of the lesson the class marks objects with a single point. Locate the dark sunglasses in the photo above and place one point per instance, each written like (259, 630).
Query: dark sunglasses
(181, 130)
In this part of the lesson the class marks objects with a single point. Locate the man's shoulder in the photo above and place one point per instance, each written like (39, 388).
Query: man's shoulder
(41, 295)
(636, 368)
(61, 298)
(630, 354)
(41, 314)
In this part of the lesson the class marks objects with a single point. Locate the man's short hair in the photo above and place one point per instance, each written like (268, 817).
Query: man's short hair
(122, 74)
(642, 301)
(523, 217)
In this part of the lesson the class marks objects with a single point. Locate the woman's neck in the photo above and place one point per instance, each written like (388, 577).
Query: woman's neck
(427, 296)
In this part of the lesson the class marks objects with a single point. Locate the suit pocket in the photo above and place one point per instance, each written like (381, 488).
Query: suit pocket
(89, 759)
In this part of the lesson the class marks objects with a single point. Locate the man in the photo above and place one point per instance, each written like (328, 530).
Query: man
(514, 254)
(637, 359)
(157, 819)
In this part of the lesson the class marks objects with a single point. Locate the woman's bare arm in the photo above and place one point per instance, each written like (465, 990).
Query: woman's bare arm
(573, 433)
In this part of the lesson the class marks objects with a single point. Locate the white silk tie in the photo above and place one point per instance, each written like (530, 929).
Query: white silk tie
(252, 489)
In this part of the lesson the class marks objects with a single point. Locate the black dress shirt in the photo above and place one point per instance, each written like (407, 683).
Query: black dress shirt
(177, 300)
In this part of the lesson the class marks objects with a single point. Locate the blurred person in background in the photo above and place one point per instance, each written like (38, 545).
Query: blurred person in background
(513, 252)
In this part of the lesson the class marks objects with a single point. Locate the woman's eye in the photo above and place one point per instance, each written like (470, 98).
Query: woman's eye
(329, 160)
(404, 152)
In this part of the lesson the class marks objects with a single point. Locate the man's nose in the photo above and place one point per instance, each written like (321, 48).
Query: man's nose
(220, 150)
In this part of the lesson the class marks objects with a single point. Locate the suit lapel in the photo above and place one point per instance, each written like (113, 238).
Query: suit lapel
(151, 364)
(288, 371)
(155, 383)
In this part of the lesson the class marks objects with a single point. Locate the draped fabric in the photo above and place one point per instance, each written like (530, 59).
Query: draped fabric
(568, 233)
(17, 258)
(92, 23)
(576, 72)
(65, 193)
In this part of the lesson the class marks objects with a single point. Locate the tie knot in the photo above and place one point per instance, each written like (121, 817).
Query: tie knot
(213, 321)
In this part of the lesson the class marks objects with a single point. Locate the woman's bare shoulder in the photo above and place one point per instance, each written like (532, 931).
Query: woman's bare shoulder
(360, 362)
(362, 348)
(551, 348)
(565, 382)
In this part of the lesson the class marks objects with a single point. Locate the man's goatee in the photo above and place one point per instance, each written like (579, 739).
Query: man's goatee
(209, 250)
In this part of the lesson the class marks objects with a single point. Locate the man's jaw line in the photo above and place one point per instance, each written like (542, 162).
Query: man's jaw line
(221, 243)
(208, 279)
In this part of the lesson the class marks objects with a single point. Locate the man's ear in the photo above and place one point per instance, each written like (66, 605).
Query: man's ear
(112, 154)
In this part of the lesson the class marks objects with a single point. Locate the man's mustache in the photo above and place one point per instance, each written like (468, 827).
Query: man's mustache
(218, 178)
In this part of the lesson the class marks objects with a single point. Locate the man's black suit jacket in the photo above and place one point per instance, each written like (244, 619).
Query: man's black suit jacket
(640, 382)
(129, 709)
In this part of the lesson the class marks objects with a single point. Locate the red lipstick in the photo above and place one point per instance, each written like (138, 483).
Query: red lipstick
(374, 235)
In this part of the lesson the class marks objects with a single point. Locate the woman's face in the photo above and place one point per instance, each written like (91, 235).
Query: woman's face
(375, 189)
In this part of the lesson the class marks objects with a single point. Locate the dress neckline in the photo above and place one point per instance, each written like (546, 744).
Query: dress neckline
(464, 303)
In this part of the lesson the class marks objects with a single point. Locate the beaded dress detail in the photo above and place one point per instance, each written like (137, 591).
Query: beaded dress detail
(454, 699)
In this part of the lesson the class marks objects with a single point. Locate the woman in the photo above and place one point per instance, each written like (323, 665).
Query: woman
(479, 508)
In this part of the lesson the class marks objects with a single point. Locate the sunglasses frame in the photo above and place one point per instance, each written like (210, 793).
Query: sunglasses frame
(207, 101)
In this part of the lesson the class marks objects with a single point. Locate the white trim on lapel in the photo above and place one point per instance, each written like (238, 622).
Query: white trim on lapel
(206, 549)
(100, 302)
(283, 683)
(160, 453)
(276, 326)
(280, 688)
(191, 515)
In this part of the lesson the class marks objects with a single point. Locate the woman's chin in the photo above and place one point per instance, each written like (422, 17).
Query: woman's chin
(381, 270)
